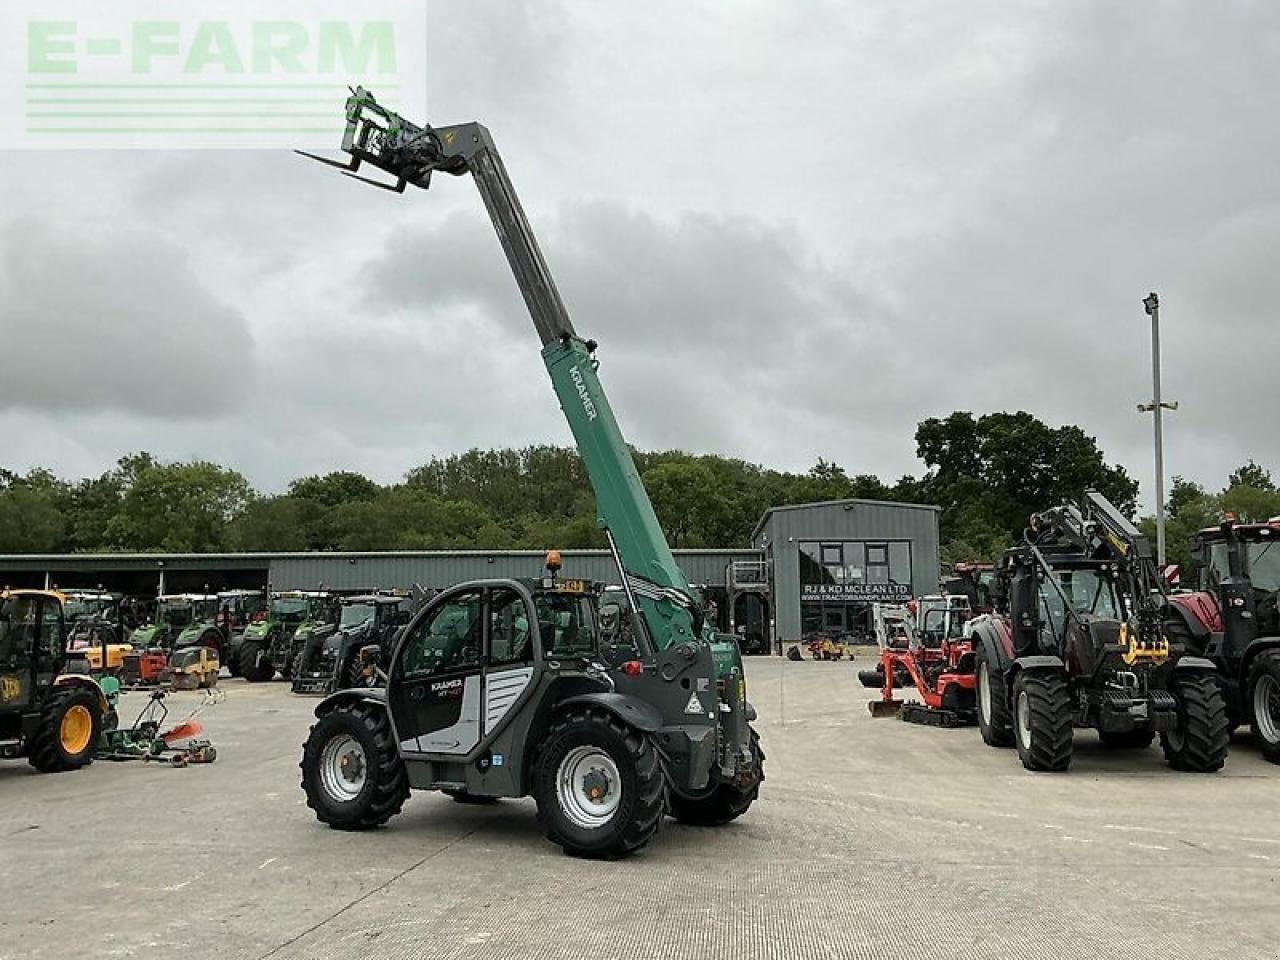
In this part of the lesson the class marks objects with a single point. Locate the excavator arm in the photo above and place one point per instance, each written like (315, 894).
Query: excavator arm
(670, 608)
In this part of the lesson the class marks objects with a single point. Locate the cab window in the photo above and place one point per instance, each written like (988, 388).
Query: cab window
(565, 624)
(510, 639)
(450, 638)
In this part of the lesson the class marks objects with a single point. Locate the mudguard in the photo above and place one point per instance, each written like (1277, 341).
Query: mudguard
(352, 694)
(985, 635)
(1196, 663)
(630, 710)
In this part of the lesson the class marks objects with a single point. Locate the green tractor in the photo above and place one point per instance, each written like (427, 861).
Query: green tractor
(181, 620)
(49, 714)
(272, 644)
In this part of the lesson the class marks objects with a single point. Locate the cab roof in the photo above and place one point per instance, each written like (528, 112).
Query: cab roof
(187, 596)
(1245, 531)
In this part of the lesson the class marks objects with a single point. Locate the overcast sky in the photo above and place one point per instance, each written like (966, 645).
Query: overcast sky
(795, 228)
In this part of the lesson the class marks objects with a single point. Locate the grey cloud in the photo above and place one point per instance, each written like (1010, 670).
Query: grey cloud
(113, 320)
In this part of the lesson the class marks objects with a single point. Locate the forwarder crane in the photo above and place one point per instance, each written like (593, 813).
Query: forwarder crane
(1081, 641)
(502, 688)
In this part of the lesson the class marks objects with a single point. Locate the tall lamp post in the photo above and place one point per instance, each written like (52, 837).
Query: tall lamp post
(1157, 406)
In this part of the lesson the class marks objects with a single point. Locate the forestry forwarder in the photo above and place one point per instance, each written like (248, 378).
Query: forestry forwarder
(481, 705)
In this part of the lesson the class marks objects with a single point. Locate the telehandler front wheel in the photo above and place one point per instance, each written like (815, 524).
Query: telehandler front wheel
(723, 802)
(1263, 691)
(1201, 739)
(599, 785)
(1042, 720)
(352, 774)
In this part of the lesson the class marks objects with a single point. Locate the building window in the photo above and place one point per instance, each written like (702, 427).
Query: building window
(840, 580)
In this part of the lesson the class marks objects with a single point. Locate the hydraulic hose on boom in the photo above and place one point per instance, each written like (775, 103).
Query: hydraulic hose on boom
(671, 610)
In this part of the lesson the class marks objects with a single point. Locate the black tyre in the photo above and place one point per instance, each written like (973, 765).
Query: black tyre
(1127, 739)
(1201, 740)
(255, 666)
(1263, 693)
(70, 723)
(353, 675)
(351, 773)
(599, 785)
(233, 661)
(1042, 720)
(871, 678)
(994, 720)
(461, 796)
(723, 802)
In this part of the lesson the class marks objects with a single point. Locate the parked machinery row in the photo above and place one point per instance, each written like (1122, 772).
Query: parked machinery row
(1085, 634)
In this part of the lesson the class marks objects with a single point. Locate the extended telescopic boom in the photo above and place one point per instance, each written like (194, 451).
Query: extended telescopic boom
(654, 583)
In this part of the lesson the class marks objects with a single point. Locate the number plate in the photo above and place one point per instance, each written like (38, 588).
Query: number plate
(571, 586)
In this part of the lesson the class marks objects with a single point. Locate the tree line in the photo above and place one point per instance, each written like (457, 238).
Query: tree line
(988, 473)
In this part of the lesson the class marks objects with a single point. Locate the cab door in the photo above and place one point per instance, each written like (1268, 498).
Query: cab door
(20, 654)
(436, 676)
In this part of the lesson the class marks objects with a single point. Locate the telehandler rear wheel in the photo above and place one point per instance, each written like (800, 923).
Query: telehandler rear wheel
(70, 723)
(1042, 720)
(723, 802)
(994, 722)
(599, 785)
(352, 774)
(1200, 742)
(1263, 692)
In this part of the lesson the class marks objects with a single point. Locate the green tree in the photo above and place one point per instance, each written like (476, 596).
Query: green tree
(1251, 475)
(990, 473)
(30, 521)
(272, 523)
(687, 500)
(402, 518)
(178, 507)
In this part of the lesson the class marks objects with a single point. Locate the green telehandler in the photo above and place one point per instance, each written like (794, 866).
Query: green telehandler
(511, 687)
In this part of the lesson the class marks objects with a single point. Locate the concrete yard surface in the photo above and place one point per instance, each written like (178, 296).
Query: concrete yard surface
(872, 838)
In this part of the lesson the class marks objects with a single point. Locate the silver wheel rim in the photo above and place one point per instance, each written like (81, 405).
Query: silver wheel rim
(1266, 707)
(1024, 720)
(588, 787)
(984, 693)
(343, 768)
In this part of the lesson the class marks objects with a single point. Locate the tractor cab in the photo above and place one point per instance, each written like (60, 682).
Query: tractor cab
(237, 608)
(47, 714)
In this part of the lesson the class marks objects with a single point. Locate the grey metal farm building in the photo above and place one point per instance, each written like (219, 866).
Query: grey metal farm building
(811, 567)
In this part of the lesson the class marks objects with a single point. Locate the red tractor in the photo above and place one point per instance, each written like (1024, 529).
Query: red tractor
(1233, 621)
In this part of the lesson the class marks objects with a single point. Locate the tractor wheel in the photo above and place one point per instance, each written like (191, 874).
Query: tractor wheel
(353, 675)
(874, 679)
(1200, 742)
(994, 722)
(70, 723)
(723, 802)
(599, 785)
(1127, 739)
(352, 774)
(1042, 720)
(472, 799)
(1263, 692)
(254, 664)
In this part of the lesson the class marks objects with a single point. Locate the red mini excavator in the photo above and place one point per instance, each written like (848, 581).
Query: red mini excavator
(938, 658)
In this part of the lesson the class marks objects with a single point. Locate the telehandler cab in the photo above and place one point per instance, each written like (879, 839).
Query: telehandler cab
(504, 688)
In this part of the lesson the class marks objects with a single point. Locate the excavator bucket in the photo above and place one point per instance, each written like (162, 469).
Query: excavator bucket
(885, 708)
